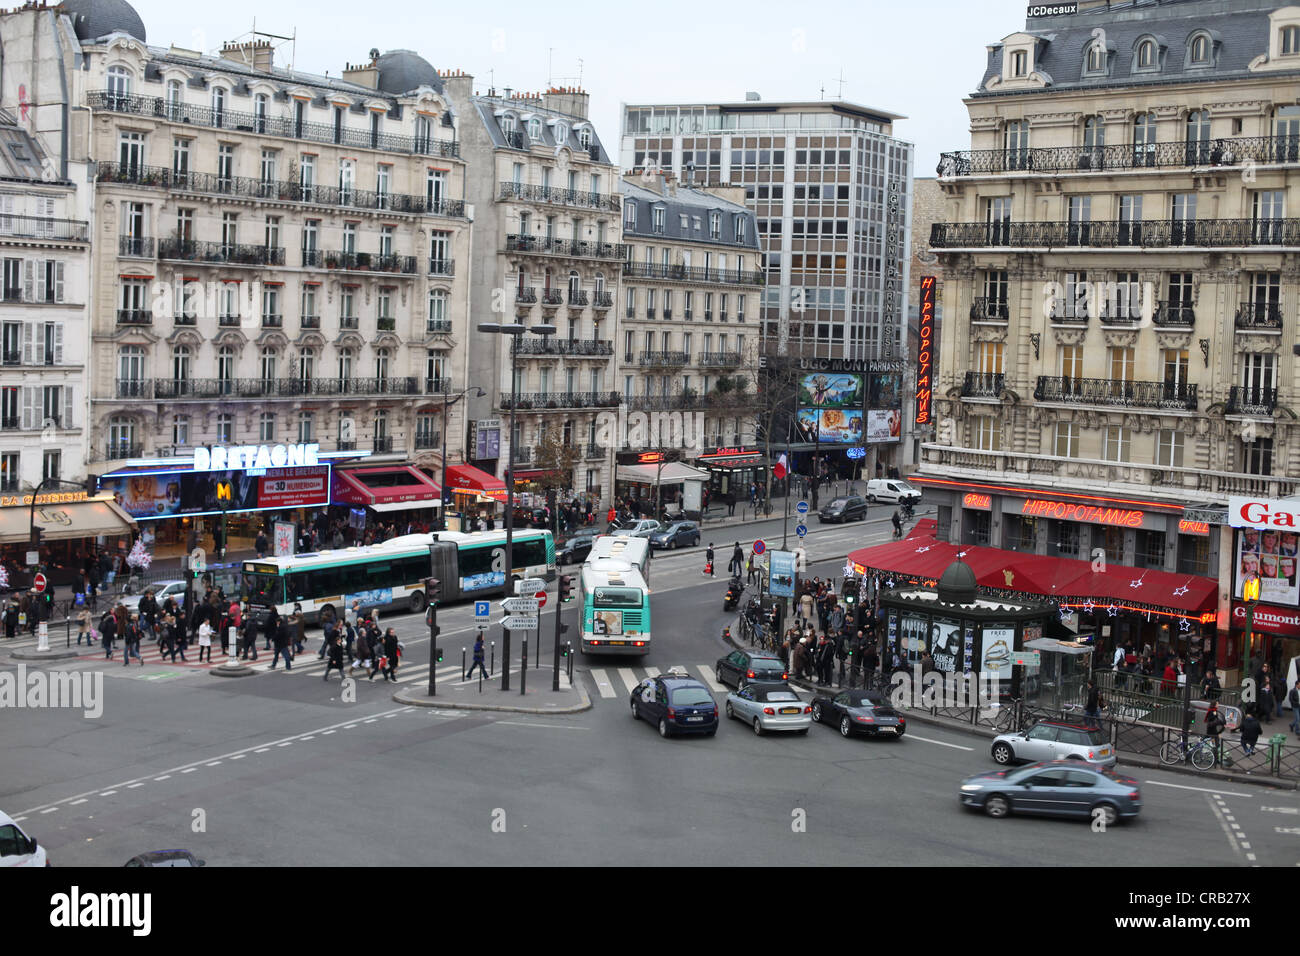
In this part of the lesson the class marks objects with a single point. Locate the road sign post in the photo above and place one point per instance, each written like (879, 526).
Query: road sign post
(39, 582)
(801, 530)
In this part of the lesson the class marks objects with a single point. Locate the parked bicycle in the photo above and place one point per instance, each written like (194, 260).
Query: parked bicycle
(1202, 753)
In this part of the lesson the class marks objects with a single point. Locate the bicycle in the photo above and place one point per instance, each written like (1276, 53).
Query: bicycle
(1202, 753)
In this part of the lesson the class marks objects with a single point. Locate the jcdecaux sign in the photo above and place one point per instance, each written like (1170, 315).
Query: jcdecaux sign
(237, 457)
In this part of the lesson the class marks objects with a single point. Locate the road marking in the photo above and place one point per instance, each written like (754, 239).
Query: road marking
(1179, 786)
(602, 683)
(309, 738)
(708, 679)
(165, 776)
(1295, 830)
(287, 743)
(520, 723)
(941, 743)
(189, 770)
(1292, 810)
(327, 733)
(77, 802)
(213, 764)
(239, 756)
(49, 810)
(108, 793)
(132, 786)
(652, 672)
(629, 679)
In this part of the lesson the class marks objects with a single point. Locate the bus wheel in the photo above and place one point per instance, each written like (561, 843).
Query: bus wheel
(417, 602)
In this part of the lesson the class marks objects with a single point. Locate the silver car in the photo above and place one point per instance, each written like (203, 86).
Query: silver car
(769, 706)
(162, 590)
(1054, 740)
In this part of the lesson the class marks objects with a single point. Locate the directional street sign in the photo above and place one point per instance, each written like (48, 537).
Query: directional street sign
(520, 605)
(801, 530)
(482, 610)
(1025, 658)
(802, 507)
(530, 586)
(516, 623)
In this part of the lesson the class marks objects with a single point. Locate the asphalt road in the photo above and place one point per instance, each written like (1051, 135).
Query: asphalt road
(276, 769)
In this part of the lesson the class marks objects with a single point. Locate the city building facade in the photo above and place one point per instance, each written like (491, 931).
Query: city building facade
(1119, 292)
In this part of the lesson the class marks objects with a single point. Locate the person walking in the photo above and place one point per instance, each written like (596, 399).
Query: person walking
(334, 658)
(737, 562)
(478, 659)
(392, 655)
(298, 629)
(1266, 701)
(205, 641)
(1250, 731)
(107, 634)
(1295, 708)
(83, 627)
(279, 635)
(752, 570)
(11, 619)
(132, 641)
(806, 608)
(708, 560)
(897, 520)
(363, 651)
(249, 635)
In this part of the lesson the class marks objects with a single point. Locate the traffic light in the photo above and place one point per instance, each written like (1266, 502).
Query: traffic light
(440, 655)
(566, 588)
(92, 485)
(432, 590)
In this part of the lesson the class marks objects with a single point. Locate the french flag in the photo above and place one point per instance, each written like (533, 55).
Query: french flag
(779, 469)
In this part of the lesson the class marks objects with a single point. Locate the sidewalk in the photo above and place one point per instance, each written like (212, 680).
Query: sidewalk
(455, 694)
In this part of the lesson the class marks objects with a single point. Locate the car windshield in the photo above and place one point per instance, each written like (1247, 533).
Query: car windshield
(839, 502)
(690, 696)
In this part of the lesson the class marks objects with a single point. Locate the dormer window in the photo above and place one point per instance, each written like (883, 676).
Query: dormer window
(1146, 58)
(561, 134)
(535, 130)
(715, 225)
(508, 123)
(1019, 63)
(1096, 60)
(659, 217)
(1198, 53)
(584, 137)
(629, 217)
(1290, 41)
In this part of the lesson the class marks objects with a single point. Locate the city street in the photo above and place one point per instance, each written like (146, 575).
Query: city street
(276, 769)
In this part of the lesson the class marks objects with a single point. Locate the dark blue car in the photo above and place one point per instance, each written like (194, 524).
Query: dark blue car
(675, 704)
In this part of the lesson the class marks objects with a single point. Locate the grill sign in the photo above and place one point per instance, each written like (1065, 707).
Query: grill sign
(925, 351)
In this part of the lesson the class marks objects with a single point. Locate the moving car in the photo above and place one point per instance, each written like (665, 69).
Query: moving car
(166, 858)
(1054, 740)
(161, 591)
(17, 848)
(1059, 788)
(849, 508)
(769, 706)
(892, 489)
(741, 667)
(676, 704)
(859, 712)
(641, 528)
(679, 534)
(576, 549)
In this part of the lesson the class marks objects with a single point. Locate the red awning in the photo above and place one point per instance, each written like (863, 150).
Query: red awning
(920, 557)
(468, 480)
(535, 473)
(384, 486)
(735, 462)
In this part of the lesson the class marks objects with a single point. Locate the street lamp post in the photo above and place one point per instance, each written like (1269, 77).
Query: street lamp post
(514, 330)
(447, 402)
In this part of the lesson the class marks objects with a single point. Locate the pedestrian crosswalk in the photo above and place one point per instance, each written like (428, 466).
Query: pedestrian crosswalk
(602, 682)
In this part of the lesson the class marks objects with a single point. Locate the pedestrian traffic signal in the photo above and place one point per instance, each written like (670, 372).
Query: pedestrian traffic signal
(432, 590)
(440, 655)
(566, 588)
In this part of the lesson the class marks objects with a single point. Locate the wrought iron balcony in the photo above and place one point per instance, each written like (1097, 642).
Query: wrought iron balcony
(271, 321)
(366, 262)
(572, 248)
(594, 452)
(12, 357)
(663, 359)
(1061, 159)
(719, 359)
(650, 313)
(209, 388)
(133, 388)
(184, 318)
(136, 247)
(553, 345)
(984, 309)
(437, 327)
(545, 400)
(522, 455)
(1251, 400)
(425, 440)
(437, 386)
(668, 315)
(563, 197)
(223, 253)
(1105, 391)
(346, 444)
(9, 423)
(310, 322)
(282, 126)
(577, 299)
(1259, 315)
(383, 444)
(229, 321)
(134, 317)
(1068, 312)
(1110, 234)
(442, 267)
(603, 300)
(651, 270)
(526, 296)
(1174, 313)
(552, 297)
(115, 451)
(662, 403)
(386, 323)
(983, 385)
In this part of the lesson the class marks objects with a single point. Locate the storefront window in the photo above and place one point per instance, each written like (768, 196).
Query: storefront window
(1112, 541)
(1150, 551)
(1193, 554)
(1021, 534)
(1065, 538)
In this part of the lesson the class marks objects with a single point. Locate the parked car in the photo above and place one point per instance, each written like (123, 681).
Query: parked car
(741, 667)
(1059, 788)
(641, 528)
(1054, 740)
(166, 858)
(676, 704)
(576, 549)
(161, 591)
(769, 706)
(892, 489)
(679, 534)
(17, 848)
(529, 517)
(859, 712)
(850, 508)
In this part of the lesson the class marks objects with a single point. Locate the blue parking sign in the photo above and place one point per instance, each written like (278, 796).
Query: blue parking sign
(482, 610)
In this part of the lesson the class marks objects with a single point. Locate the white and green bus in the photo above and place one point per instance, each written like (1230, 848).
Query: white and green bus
(392, 574)
(615, 608)
(625, 548)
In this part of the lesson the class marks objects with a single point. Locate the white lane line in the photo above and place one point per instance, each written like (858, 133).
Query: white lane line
(213, 763)
(310, 738)
(602, 683)
(370, 721)
(1280, 809)
(129, 786)
(327, 733)
(1179, 786)
(287, 743)
(941, 743)
(108, 793)
(652, 672)
(49, 810)
(239, 756)
(706, 675)
(628, 678)
(520, 723)
(189, 770)
(76, 803)
(165, 776)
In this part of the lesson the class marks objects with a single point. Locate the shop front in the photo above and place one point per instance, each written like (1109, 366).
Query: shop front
(474, 492)
(646, 478)
(734, 472)
(73, 527)
(392, 494)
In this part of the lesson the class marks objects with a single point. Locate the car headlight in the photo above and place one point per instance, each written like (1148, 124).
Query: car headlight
(972, 787)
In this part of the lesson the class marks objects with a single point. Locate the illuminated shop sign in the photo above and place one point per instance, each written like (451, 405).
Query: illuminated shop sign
(925, 351)
(980, 502)
(240, 457)
(1072, 511)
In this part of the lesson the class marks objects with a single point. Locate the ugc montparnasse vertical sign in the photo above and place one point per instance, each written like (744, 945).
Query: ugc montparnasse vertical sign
(925, 351)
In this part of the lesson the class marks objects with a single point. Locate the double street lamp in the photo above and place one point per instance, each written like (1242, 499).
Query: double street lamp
(514, 330)
(447, 402)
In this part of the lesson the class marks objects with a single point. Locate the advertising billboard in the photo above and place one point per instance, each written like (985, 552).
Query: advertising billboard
(823, 390)
(1272, 555)
(884, 425)
(842, 426)
(781, 571)
(151, 496)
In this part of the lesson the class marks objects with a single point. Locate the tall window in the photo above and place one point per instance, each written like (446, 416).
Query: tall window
(1200, 51)
(1067, 440)
(306, 427)
(1182, 218)
(437, 310)
(1096, 59)
(1122, 361)
(119, 86)
(1144, 139)
(998, 211)
(1257, 456)
(1169, 448)
(259, 113)
(175, 96)
(1118, 443)
(1015, 142)
(266, 427)
(1286, 133)
(218, 106)
(988, 434)
(1267, 212)
(1146, 55)
(1094, 138)
(225, 428)
(989, 358)
(1289, 42)
(226, 368)
(1198, 138)
(180, 429)
(1019, 63)
(346, 357)
(267, 361)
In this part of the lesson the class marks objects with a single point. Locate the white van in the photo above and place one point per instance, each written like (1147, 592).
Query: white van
(17, 848)
(892, 489)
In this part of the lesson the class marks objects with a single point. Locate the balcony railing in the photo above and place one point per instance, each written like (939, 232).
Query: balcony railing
(526, 296)
(1174, 313)
(1251, 400)
(650, 313)
(208, 388)
(661, 403)
(271, 321)
(12, 357)
(1110, 234)
(563, 197)
(136, 247)
(594, 452)
(39, 227)
(577, 299)
(663, 359)
(983, 385)
(386, 323)
(383, 444)
(224, 253)
(437, 327)
(720, 359)
(603, 300)
(551, 345)
(668, 315)
(310, 321)
(115, 451)
(229, 321)
(552, 297)
(437, 386)
(1259, 315)
(184, 318)
(365, 262)
(442, 267)
(984, 309)
(1061, 159)
(134, 317)
(543, 400)
(573, 248)
(425, 440)
(282, 126)
(651, 270)
(10, 423)
(276, 190)
(1104, 391)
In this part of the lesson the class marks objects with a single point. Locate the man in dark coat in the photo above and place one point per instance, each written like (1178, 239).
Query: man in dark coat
(279, 634)
(334, 655)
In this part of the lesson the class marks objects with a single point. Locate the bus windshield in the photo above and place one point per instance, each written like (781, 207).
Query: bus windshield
(264, 589)
(618, 597)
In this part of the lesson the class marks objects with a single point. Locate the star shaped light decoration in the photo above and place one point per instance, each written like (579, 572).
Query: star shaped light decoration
(1087, 607)
(1063, 611)
(1181, 591)
(1112, 610)
(923, 550)
(1184, 624)
(1137, 582)
(889, 583)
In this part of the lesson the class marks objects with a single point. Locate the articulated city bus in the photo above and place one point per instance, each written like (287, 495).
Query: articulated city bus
(625, 548)
(615, 608)
(392, 574)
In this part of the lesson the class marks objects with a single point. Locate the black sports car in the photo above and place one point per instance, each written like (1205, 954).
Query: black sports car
(859, 712)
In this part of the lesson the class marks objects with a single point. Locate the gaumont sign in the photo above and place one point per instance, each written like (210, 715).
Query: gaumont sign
(1275, 620)
(1263, 513)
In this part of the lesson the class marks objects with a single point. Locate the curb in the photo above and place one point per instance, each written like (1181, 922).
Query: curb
(225, 670)
(403, 697)
(25, 654)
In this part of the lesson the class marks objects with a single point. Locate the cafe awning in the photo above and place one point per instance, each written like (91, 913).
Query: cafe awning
(87, 518)
(393, 488)
(468, 480)
(673, 473)
(732, 462)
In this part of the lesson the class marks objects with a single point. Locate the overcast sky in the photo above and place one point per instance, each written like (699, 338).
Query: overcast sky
(915, 58)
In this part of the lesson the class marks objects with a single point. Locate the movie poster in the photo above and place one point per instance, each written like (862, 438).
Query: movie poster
(831, 426)
(945, 644)
(1272, 555)
(824, 390)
